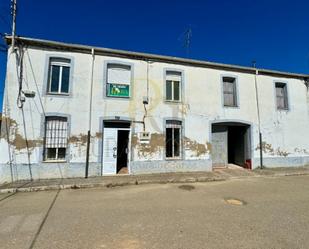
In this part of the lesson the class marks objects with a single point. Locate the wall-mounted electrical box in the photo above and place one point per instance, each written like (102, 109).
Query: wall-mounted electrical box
(144, 137)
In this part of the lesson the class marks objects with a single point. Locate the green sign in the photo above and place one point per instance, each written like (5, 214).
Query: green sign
(116, 90)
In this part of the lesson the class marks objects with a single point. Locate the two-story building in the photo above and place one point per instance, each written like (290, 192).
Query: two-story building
(68, 107)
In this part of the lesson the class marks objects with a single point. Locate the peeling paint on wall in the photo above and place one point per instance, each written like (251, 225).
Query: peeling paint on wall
(15, 138)
(268, 149)
(80, 139)
(156, 143)
(198, 148)
(301, 151)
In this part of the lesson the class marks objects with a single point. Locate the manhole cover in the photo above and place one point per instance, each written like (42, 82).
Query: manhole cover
(186, 187)
(234, 201)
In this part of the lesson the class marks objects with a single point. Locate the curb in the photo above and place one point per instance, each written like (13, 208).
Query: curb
(133, 181)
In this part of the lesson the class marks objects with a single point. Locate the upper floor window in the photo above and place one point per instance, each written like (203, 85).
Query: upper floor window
(56, 138)
(229, 92)
(281, 96)
(173, 139)
(59, 76)
(118, 80)
(173, 86)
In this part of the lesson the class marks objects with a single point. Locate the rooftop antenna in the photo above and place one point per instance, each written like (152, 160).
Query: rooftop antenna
(186, 37)
(13, 13)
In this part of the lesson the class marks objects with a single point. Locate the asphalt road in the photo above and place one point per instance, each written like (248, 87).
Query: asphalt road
(275, 214)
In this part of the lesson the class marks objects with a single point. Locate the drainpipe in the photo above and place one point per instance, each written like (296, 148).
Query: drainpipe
(258, 114)
(90, 115)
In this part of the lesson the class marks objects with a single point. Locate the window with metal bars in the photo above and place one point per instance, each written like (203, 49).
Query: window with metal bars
(281, 96)
(229, 91)
(59, 76)
(173, 139)
(56, 138)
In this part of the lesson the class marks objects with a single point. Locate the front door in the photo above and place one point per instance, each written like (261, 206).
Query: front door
(110, 151)
(219, 146)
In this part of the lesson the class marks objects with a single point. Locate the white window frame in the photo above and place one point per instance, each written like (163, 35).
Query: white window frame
(180, 75)
(56, 159)
(111, 64)
(61, 64)
(176, 126)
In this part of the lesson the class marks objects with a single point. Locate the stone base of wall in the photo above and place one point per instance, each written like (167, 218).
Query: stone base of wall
(46, 171)
(148, 167)
(70, 170)
(275, 162)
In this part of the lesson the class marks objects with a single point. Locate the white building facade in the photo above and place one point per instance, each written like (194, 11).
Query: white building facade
(145, 114)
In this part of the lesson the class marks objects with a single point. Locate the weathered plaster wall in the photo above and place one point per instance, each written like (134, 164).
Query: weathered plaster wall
(285, 133)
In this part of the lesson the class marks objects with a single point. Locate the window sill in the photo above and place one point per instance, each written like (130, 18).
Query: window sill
(58, 94)
(55, 161)
(173, 158)
(120, 97)
(283, 110)
(231, 106)
(173, 101)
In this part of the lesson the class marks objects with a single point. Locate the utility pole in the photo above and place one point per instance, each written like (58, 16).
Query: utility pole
(13, 13)
(258, 113)
(90, 114)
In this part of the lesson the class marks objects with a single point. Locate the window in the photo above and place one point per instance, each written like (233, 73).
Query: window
(173, 86)
(56, 136)
(229, 91)
(118, 81)
(59, 76)
(173, 139)
(281, 96)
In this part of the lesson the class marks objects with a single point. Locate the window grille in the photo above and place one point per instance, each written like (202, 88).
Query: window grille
(56, 136)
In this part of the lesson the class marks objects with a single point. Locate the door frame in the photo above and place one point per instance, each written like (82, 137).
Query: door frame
(239, 121)
(129, 152)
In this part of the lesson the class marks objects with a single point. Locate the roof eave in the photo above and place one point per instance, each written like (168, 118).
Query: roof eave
(152, 57)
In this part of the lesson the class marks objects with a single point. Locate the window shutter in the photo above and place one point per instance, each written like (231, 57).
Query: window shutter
(56, 132)
(229, 93)
(119, 74)
(173, 76)
(173, 124)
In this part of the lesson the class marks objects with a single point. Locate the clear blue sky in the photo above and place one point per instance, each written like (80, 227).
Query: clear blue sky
(274, 33)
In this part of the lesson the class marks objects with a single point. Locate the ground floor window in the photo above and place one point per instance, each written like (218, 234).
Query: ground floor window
(173, 139)
(56, 136)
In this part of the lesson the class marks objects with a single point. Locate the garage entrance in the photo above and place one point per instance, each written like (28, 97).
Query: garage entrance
(231, 144)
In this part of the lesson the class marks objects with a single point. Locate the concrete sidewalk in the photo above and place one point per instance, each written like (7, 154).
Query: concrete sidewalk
(123, 180)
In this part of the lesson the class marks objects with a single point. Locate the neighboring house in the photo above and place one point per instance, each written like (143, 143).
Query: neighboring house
(146, 113)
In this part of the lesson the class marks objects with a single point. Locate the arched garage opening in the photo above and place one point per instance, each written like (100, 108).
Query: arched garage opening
(231, 144)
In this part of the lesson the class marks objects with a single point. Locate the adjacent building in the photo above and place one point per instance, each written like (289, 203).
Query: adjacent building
(71, 110)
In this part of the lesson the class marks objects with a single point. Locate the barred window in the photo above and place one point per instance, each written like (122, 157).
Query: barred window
(229, 91)
(173, 139)
(56, 136)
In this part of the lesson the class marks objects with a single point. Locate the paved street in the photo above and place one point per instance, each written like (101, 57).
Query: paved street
(275, 214)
